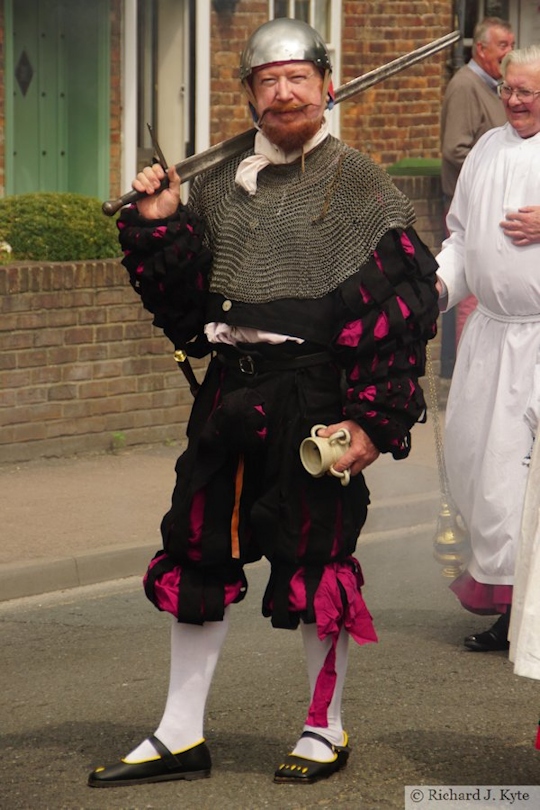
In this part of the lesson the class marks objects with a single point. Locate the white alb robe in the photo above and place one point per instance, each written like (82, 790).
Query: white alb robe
(494, 401)
(524, 632)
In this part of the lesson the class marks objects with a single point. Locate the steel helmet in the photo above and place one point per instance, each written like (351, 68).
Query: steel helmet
(284, 40)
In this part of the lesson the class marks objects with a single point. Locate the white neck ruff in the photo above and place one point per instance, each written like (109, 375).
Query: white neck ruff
(266, 152)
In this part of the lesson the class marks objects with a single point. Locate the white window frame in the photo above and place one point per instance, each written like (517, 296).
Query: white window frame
(129, 94)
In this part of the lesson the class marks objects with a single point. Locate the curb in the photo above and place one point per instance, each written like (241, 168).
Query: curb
(18, 580)
(392, 519)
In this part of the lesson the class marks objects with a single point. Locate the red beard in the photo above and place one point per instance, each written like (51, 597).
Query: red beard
(288, 135)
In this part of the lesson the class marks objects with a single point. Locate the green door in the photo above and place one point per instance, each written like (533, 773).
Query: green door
(58, 127)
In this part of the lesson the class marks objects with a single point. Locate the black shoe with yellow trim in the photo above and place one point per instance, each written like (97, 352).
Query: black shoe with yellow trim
(302, 771)
(193, 763)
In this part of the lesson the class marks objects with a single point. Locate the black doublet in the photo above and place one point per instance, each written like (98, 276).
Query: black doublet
(370, 327)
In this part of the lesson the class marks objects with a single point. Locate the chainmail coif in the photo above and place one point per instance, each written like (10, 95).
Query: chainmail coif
(304, 231)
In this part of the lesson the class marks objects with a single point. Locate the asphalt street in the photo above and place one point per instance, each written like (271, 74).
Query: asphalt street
(81, 520)
(84, 677)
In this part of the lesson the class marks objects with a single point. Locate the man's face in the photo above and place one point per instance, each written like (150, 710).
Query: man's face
(524, 116)
(490, 54)
(288, 102)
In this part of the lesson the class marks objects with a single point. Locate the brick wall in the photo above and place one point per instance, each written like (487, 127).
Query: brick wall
(400, 116)
(81, 367)
(396, 118)
(229, 113)
(83, 370)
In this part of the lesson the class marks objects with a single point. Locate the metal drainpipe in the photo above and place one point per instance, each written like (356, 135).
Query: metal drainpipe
(190, 145)
(458, 51)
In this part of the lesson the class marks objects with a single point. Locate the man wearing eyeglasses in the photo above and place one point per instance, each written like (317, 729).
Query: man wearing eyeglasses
(494, 403)
(522, 226)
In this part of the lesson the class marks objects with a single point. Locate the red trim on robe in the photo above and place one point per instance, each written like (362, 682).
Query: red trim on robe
(477, 597)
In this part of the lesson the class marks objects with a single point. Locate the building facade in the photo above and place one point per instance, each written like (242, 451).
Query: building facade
(81, 367)
(82, 78)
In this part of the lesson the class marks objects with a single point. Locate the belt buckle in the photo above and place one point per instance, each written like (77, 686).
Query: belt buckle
(246, 364)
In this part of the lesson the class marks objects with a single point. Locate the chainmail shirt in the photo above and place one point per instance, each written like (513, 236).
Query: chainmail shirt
(306, 229)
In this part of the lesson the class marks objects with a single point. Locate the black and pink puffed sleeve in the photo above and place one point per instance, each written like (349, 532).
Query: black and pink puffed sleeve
(169, 267)
(391, 312)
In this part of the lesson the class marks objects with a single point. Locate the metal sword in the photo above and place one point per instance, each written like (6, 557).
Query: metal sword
(190, 167)
(221, 152)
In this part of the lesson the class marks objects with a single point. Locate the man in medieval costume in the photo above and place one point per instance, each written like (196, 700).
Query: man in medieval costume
(494, 401)
(296, 267)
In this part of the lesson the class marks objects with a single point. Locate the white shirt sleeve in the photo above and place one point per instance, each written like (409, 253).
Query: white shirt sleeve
(451, 259)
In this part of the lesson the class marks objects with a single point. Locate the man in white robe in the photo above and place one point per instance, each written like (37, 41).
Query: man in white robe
(524, 632)
(493, 252)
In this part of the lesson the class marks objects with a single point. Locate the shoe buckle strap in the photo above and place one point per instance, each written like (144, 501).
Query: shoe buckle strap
(169, 759)
(314, 736)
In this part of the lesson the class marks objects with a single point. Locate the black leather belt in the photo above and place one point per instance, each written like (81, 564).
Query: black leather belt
(254, 363)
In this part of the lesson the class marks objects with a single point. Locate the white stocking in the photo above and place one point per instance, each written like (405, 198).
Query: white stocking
(194, 654)
(316, 652)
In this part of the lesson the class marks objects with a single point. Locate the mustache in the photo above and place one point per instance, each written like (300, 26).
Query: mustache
(282, 108)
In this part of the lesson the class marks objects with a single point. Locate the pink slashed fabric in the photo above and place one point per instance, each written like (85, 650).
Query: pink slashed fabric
(168, 585)
(331, 616)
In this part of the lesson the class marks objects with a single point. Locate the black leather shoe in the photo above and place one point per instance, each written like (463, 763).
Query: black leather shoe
(493, 639)
(301, 771)
(194, 763)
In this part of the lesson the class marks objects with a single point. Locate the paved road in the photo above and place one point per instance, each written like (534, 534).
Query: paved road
(84, 676)
(78, 521)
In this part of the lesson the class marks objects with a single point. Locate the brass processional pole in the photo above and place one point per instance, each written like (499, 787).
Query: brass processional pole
(451, 543)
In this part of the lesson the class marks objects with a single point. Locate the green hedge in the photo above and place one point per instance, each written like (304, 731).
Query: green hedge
(424, 167)
(55, 227)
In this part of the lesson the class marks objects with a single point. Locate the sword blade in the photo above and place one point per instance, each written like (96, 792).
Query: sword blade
(377, 75)
(221, 152)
